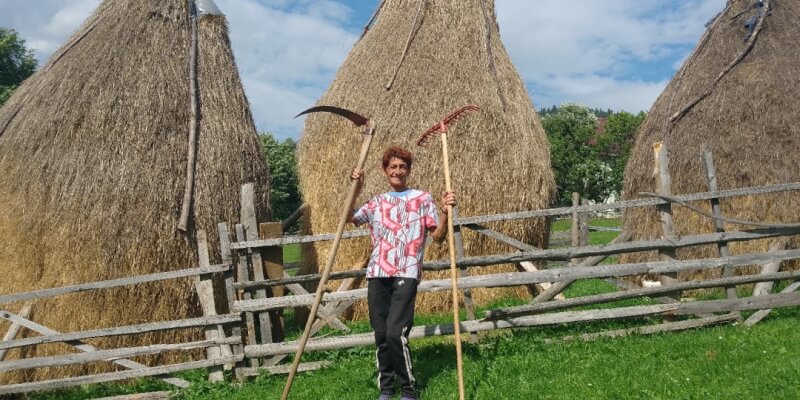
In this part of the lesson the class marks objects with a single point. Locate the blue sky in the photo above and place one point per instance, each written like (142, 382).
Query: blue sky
(617, 54)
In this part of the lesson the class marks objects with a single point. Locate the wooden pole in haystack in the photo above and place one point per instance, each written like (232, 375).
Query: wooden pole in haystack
(369, 127)
(441, 129)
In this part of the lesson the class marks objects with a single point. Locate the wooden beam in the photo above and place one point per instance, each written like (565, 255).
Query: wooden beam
(524, 278)
(132, 365)
(651, 329)
(205, 293)
(110, 355)
(112, 283)
(247, 216)
(761, 314)
(698, 307)
(13, 330)
(763, 288)
(113, 376)
(565, 253)
(716, 210)
(116, 331)
(527, 309)
(229, 278)
(555, 290)
(273, 268)
(645, 202)
(284, 369)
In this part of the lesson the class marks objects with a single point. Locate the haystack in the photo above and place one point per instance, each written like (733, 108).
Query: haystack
(748, 119)
(93, 161)
(419, 61)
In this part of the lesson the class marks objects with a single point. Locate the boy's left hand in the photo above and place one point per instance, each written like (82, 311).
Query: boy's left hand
(448, 199)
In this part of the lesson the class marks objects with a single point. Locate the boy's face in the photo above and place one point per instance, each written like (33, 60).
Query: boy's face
(397, 174)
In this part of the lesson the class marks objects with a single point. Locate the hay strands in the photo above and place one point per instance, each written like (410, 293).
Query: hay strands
(369, 128)
(441, 129)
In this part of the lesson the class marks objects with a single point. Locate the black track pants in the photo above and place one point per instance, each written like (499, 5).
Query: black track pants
(391, 313)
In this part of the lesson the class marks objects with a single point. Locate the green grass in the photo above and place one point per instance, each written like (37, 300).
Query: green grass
(724, 362)
(291, 253)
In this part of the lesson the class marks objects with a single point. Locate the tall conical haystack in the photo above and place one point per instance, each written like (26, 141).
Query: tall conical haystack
(499, 156)
(93, 163)
(748, 120)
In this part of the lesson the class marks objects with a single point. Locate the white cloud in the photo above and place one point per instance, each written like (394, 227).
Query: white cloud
(599, 53)
(287, 58)
(557, 47)
(45, 24)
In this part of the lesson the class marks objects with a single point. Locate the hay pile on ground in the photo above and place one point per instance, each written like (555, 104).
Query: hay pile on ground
(93, 159)
(499, 157)
(748, 120)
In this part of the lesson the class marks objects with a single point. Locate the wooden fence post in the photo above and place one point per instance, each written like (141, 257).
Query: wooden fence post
(719, 226)
(247, 217)
(230, 278)
(205, 292)
(664, 186)
(243, 276)
(273, 264)
(469, 305)
(576, 225)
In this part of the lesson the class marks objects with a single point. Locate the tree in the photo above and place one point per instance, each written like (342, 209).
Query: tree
(17, 62)
(284, 194)
(571, 130)
(615, 143)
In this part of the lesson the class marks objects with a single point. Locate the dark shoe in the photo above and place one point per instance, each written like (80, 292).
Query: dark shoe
(408, 398)
(386, 396)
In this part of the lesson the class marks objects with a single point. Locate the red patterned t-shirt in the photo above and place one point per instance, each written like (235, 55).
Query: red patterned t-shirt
(399, 222)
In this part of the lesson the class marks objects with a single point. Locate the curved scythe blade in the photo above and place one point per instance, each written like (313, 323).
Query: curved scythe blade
(354, 117)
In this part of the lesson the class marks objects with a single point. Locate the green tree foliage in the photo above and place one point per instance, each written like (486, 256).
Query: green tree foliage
(17, 62)
(586, 160)
(284, 194)
(614, 144)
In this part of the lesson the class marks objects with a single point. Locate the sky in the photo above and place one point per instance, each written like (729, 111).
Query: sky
(607, 54)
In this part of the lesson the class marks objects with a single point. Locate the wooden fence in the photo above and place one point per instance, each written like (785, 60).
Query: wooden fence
(250, 338)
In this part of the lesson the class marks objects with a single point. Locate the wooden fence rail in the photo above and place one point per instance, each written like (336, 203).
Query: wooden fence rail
(244, 336)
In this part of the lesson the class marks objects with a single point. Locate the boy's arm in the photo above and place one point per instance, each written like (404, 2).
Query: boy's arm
(358, 176)
(438, 234)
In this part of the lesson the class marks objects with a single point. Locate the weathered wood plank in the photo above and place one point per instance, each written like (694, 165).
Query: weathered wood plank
(284, 369)
(13, 330)
(761, 314)
(53, 336)
(243, 276)
(556, 289)
(564, 253)
(763, 288)
(716, 210)
(230, 279)
(110, 355)
(469, 304)
(664, 186)
(698, 307)
(651, 329)
(524, 278)
(273, 267)
(112, 283)
(645, 202)
(113, 376)
(139, 396)
(204, 287)
(132, 365)
(247, 217)
(516, 311)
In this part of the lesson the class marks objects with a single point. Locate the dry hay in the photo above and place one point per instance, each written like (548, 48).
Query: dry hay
(93, 167)
(749, 121)
(499, 156)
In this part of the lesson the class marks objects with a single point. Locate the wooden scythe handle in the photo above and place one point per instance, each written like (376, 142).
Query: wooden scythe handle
(365, 143)
(451, 246)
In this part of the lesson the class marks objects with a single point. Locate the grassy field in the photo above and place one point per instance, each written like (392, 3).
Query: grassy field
(724, 362)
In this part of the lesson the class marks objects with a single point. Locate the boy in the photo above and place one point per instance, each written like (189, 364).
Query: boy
(399, 221)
